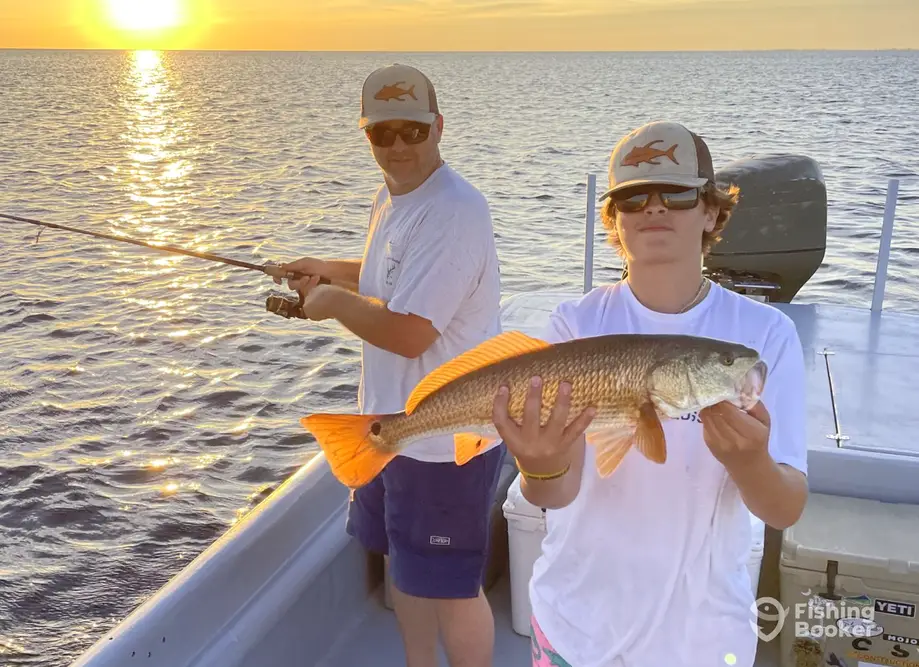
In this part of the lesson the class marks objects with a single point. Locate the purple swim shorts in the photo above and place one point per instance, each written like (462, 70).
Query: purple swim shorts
(433, 520)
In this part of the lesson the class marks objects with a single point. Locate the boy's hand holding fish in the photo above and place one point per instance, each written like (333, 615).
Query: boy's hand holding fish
(541, 451)
(549, 457)
(737, 438)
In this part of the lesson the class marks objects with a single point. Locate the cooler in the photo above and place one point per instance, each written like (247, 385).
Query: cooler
(526, 527)
(849, 582)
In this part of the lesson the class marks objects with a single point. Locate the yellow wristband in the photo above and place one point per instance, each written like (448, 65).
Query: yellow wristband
(543, 478)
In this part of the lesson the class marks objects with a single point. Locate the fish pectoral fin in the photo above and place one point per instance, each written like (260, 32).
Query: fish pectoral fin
(355, 459)
(468, 446)
(612, 445)
(649, 436)
(503, 346)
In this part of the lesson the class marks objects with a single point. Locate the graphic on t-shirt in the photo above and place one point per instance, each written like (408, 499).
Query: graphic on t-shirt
(391, 266)
(691, 417)
(393, 258)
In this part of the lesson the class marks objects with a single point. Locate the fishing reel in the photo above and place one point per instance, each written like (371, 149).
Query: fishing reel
(288, 306)
(285, 306)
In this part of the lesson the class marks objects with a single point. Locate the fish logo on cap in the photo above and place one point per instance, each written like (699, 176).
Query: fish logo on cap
(640, 154)
(394, 92)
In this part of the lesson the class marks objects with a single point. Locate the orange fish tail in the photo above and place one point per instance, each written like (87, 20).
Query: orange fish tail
(354, 453)
(411, 91)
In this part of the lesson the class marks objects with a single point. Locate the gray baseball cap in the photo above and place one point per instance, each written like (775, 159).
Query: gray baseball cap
(397, 92)
(660, 153)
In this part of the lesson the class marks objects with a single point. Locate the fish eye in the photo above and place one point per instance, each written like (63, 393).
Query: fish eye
(376, 427)
(727, 359)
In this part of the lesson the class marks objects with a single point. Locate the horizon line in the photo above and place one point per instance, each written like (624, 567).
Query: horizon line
(488, 51)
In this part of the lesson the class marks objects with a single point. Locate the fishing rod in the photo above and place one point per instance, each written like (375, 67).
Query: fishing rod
(280, 305)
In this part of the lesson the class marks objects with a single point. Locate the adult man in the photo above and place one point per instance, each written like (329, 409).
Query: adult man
(647, 567)
(426, 290)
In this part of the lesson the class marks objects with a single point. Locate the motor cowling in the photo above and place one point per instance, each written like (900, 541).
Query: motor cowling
(776, 238)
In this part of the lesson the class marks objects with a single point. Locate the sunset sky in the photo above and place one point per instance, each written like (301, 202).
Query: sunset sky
(460, 25)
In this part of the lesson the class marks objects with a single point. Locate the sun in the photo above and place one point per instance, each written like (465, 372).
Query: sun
(156, 25)
(144, 15)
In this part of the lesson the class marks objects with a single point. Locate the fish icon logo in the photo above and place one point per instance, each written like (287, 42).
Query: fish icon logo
(395, 92)
(768, 609)
(647, 154)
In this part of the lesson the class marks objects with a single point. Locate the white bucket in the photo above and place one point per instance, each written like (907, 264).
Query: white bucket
(526, 527)
(755, 560)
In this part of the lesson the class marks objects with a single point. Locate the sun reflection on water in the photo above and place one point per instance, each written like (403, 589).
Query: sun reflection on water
(157, 177)
(157, 171)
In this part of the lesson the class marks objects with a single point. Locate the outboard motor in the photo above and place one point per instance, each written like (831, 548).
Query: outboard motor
(776, 238)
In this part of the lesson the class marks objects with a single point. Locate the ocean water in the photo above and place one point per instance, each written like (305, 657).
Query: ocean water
(148, 401)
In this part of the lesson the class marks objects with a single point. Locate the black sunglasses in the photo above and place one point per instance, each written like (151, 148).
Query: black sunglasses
(384, 136)
(673, 198)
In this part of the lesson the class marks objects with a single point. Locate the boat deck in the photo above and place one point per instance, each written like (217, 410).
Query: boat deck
(376, 640)
(380, 643)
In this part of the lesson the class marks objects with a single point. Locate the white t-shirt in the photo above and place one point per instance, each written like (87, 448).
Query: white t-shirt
(430, 252)
(647, 567)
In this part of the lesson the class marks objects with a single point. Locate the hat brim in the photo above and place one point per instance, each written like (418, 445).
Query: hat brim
(416, 115)
(680, 180)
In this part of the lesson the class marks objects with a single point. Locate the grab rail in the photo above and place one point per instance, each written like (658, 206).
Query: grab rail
(880, 274)
(589, 235)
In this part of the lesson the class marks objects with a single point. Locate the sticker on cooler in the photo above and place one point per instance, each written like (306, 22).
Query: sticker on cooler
(894, 608)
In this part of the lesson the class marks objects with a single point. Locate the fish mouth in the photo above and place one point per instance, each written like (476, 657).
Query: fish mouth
(750, 387)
